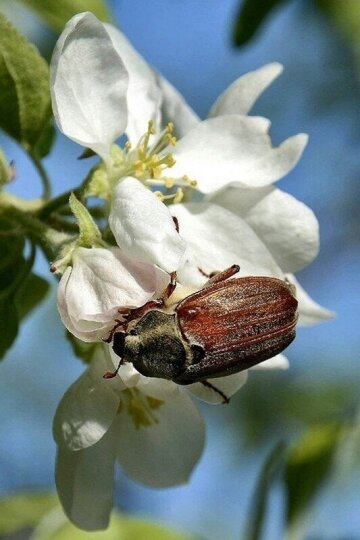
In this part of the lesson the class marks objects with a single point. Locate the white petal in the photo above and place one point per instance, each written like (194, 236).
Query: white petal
(88, 85)
(277, 362)
(157, 388)
(227, 385)
(144, 94)
(101, 281)
(88, 407)
(143, 226)
(128, 375)
(288, 228)
(234, 149)
(217, 239)
(85, 330)
(310, 312)
(241, 95)
(164, 453)
(85, 483)
(175, 109)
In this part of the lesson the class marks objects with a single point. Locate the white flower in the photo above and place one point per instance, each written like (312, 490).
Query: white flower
(225, 167)
(143, 226)
(97, 283)
(86, 69)
(150, 426)
(229, 155)
(228, 149)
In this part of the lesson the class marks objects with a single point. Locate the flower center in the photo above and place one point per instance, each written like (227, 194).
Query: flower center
(140, 407)
(150, 160)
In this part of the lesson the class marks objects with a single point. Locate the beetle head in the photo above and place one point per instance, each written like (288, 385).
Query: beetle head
(119, 343)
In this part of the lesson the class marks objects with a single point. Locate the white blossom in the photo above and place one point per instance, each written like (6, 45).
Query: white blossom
(150, 426)
(217, 180)
(144, 227)
(97, 283)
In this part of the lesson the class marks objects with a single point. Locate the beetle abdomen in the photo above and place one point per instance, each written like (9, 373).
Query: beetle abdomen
(238, 323)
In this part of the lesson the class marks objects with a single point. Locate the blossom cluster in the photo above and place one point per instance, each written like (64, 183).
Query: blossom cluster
(216, 177)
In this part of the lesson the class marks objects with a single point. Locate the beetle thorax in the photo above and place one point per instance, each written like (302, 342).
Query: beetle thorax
(154, 346)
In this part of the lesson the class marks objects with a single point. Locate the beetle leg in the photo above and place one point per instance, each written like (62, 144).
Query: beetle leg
(176, 222)
(112, 374)
(209, 275)
(212, 387)
(170, 288)
(130, 314)
(113, 330)
(222, 276)
(137, 313)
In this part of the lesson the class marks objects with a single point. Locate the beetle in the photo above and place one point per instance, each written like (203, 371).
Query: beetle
(227, 326)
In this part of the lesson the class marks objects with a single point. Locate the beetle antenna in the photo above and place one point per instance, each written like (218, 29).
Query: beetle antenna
(112, 374)
(212, 387)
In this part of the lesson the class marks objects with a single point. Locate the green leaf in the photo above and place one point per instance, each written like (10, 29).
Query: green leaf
(24, 87)
(264, 483)
(273, 403)
(46, 140)
(26, 510)
(308, 465)
(87, 153)
(84, 351)
(65, 9)
(20, 289)
(32, 291)
(345, 15)
(9, 324)
(11, 258)
(252, 14)
(6, 171)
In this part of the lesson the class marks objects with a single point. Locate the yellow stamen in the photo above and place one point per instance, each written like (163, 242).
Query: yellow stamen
(179, 195)
(169, 182)
(140, 407)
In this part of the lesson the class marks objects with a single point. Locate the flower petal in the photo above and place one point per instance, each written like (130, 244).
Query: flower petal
(88, 85)
(288, 228)
(85, 483)
(310, 312)
(99, 282)
(234, 149)
(128, 375)
(227, 385)
(276, 362)
(164, 453)
(241, 95)
(175, 109)
(157, 388)
(88, 407)
(221, 240)
(143, 226)
(144, 95)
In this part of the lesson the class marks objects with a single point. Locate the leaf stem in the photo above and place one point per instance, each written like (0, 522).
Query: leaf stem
(43, 176)
(57, 202)
(40, 233)
(21, 276)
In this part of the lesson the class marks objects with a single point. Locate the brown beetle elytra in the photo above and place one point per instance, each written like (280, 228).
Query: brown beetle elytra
(225, 327)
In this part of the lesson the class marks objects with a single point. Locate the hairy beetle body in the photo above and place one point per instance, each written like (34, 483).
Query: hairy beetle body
(224, 328)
